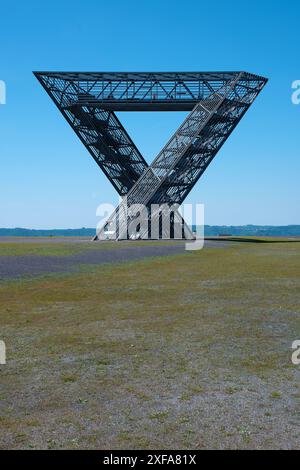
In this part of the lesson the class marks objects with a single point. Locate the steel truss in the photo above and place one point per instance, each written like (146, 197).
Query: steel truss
(88, 101)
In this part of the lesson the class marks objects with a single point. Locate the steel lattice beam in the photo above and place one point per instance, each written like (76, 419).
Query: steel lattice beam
(217, 101)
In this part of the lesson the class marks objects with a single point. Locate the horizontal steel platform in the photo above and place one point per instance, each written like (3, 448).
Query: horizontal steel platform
(144, 91)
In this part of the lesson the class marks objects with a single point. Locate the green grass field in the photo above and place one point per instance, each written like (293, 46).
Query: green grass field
(58, 247)
(188, 351)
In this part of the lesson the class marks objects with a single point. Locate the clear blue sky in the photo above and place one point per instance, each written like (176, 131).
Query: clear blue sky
(47, 178)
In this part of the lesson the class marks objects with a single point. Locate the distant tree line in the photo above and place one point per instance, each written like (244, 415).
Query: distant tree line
(209, 230)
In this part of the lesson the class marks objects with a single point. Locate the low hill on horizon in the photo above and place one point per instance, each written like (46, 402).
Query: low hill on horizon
(209, 230)
(252, 230)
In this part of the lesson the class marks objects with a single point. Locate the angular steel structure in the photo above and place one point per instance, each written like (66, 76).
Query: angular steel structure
(88, 100)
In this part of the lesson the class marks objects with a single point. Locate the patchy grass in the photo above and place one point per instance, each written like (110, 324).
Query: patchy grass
(276, 395)
(62, 247)
(41, 248)
(174, 352)
(254, 239)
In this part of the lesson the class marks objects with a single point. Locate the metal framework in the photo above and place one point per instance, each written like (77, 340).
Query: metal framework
(88, 100)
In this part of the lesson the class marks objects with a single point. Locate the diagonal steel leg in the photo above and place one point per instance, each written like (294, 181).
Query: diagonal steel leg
(189, 168)
(144, 191)
(197, 141)
(101, 133)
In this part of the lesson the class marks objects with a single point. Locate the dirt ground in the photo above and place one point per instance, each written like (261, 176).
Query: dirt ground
(186, 350)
